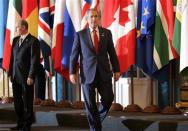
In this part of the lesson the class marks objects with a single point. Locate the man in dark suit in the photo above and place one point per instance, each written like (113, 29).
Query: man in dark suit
(25, 58)
(95, 48)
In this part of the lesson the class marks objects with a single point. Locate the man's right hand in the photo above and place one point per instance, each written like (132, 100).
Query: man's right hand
(73, 78)
(11, 78)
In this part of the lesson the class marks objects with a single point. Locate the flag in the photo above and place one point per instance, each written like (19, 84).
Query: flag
(30, 13)
(45, 25)
(145, 31)
(14, 14)
(72, 24)
(164, 27)
(57, 39)
(87, 4)
(119, 17)
(180, 38)
(52, 10)
(3, 18)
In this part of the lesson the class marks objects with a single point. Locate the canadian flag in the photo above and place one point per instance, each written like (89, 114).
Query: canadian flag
(119, 17)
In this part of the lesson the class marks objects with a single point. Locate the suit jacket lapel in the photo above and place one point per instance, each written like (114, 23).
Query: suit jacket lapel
(101, 37)
(90, 40)
(25, 40)
(16, 45)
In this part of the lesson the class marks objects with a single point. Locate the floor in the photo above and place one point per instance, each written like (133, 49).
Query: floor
(56, 119)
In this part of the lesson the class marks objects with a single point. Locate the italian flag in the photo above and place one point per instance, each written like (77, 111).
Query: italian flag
(14, 14)
(164, 27)
(180, 38)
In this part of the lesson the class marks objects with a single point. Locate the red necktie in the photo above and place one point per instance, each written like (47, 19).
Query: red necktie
(96, 40)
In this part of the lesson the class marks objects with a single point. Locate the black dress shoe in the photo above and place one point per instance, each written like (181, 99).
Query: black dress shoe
(26, 128)
(16, 128)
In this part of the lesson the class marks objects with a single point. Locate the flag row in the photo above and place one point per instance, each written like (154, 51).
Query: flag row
(146, 33)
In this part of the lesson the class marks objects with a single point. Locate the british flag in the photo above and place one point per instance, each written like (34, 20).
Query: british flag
(45, 24)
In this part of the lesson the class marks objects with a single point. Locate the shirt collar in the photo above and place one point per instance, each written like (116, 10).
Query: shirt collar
(91, 29)
(24, 36)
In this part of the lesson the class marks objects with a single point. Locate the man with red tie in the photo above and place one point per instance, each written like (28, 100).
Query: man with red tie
(98, 62)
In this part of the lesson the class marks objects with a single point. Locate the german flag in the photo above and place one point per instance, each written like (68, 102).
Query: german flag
(30, 13)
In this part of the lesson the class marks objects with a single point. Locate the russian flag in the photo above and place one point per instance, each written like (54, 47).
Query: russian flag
(72, 24)
(67, 21)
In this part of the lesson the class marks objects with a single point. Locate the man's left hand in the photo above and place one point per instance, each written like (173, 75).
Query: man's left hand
(116, 76)
(29, 81)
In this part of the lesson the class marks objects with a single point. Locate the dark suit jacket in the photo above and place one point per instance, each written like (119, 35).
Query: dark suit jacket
(90, 60)
(24, 59)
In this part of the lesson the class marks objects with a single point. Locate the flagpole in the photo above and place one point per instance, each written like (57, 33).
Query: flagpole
(97, 97)
(63, 103)
(8, 92)
(151, 108)
(63, 89)
(132, 107)
(170, 109)
(78, 104)
(56, 92)
(114, 83)
(79, 87)
(3, 83)
(7, 99)
(115, 106)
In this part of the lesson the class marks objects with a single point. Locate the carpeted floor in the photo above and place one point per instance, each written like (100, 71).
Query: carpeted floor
(52, 117)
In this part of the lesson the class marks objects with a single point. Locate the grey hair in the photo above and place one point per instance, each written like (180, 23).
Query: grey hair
(24, 23)
(92, 9)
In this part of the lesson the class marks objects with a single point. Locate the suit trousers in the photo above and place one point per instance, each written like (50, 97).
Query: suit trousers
(23, 103)
(95, 114)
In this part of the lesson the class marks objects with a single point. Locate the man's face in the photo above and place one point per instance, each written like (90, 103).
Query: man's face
(93, 19)
(20, 29)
